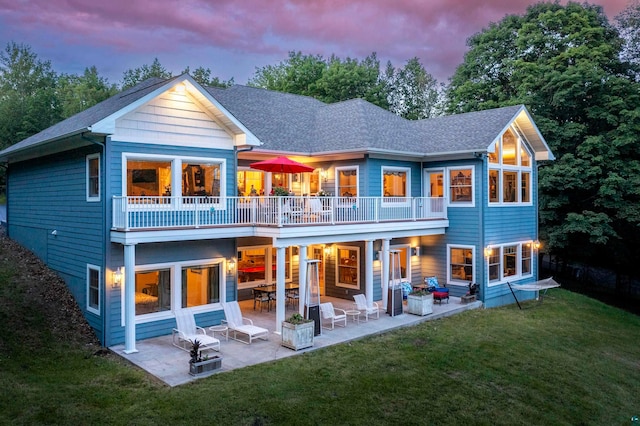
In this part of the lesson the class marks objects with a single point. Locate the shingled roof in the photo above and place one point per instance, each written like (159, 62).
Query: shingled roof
(290, 123)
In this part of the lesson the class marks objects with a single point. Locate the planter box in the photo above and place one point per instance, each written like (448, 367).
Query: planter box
(205, 366)
(420, 305)
(297, 336)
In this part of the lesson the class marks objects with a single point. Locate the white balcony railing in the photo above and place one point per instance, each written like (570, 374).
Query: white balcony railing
(130, 213)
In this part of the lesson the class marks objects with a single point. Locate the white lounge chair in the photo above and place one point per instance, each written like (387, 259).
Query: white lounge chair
(329, 312)
(186, 332)
(238, 324)
(362, 306)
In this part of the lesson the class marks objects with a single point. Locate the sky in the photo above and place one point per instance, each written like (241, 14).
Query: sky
(235, 37)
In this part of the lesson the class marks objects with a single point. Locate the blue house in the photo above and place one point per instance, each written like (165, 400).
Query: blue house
(147, 202)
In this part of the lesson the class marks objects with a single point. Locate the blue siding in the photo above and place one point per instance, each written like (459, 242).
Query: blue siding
(50, 194)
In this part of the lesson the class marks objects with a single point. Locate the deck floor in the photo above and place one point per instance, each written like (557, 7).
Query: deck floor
(160, 358)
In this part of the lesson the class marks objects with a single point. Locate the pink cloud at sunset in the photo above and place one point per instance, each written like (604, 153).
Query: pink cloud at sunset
(232, 38)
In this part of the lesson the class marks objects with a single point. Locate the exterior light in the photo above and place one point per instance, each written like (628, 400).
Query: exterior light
(415, 251)
(180, 88)
(536, 244)
(488, 251)
(231, 265)
(117, 277)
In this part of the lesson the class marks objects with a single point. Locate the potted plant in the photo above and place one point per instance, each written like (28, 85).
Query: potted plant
(297, 332)
(280, 191)
(199, 364)
(420, 302)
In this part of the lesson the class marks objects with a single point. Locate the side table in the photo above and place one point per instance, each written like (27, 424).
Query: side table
(222, 329)
(355, 315)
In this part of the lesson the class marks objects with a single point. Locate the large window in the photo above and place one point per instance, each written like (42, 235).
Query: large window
(348, 271)
(461, 264)
(511, 261)
(396, 184)
(153, 291)
(251, 183)
(258, 265)
(93, 177)
(93, 289)
(509, 171)
(461, 186)
(159, 176)
(200, 285)
(347, 181)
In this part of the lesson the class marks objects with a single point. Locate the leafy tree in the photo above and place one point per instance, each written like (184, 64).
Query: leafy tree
(131, 77)
(413, 92)
(563, 62)
(628, 24)
(78, 93)
(329, 80)
(28, 100)
(203, 76)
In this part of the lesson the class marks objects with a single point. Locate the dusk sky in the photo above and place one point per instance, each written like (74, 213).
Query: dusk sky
(232, 38)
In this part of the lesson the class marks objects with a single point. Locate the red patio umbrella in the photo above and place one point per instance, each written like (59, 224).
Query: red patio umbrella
(281, 165)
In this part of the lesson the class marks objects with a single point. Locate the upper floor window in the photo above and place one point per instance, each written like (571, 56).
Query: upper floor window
(93, 289)
(461, 185)
(93, 177)
(396, 184)
(509, 170)
(347, 181)
(159, 176)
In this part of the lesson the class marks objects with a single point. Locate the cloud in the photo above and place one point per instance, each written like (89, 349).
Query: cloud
(398, 30)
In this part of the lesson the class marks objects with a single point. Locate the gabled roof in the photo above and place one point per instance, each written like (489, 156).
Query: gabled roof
(293, 124)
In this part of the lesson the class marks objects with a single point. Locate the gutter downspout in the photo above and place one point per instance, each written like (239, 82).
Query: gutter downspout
(103, 184)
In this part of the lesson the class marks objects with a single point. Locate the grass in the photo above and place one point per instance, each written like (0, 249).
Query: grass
(570, 360)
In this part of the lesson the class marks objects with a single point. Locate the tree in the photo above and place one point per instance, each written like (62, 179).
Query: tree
(203, 76)
(78, 93)
(329, 80)
(628, 24)
(563, 62)
(28, 100)
(131, 77)
(413, 92)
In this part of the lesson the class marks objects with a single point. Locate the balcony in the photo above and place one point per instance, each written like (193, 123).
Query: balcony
(157, 213)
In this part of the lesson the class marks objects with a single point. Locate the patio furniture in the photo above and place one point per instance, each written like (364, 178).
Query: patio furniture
(329, 313)
(361, 305)
(238, 324)
(354, 314)
(316, 212)
(262, 298)
(439, 296)
(187, 331)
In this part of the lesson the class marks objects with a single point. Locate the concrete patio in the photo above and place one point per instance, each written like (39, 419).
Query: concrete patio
(160, 358)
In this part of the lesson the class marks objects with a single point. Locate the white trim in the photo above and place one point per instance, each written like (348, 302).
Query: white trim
(98, 270)
(175, 269)
(407, 266)
(517, 168)
(447, 175)
(176, 173)
(518, 275)
(394, 202)
(473, 265)
(337, 171)
(355, 286)
(91, 198)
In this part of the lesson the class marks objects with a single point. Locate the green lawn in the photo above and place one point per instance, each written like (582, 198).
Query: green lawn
(570, 360)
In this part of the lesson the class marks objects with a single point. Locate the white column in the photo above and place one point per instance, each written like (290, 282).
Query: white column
(368, 268)
(129, 299)
(384, 258)
(302, 275)
(280, 277)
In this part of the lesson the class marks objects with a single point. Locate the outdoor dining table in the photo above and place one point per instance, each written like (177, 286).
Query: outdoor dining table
(270, 290)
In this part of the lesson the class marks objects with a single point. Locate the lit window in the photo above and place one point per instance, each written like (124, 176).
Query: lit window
(395, 182)
(250, 183)
(200, 180)
(461, 185)
(148, 178)
(509, 170)
(460, 264)
(348, 271)
(200, 285)
(347, 182)
(93, 289)
(510, 262)
(153, 291)
(93, 177)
